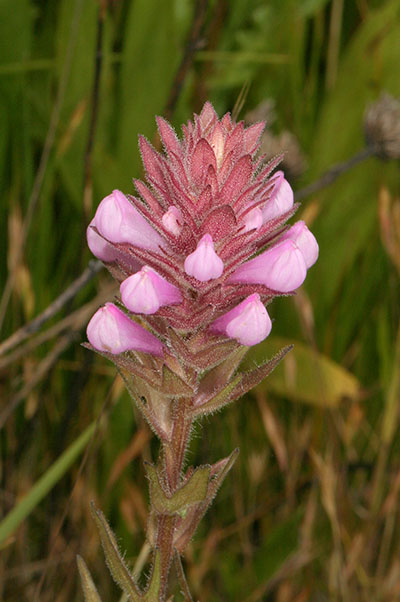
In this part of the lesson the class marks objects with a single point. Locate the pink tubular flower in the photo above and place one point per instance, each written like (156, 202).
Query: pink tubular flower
(305, 240)
(111, 330)
(146, 291)
(204, 264)
(118, 221)
(248, 322)
(208, 224)
(281, 201)
(100, 247)
(282, 268)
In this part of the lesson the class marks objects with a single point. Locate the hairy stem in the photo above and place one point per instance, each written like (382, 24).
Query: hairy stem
(173, 458)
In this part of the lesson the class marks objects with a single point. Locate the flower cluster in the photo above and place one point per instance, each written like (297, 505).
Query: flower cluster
(203, 247)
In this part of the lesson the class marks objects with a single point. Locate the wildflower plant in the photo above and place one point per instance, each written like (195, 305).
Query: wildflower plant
(198, 253)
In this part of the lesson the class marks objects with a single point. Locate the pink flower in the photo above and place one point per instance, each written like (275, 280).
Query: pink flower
(146, 291)
(248, 322)
(204, 264)
(111, 330)
(206, 225)
(100, 247)
(118, 221)
(172, 220)
(281, 201)
(305, 240)
(282, 268)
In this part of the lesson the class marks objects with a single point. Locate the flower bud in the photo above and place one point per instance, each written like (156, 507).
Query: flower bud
(118, 221)
(100, 247)
(248, 322)
(204, 264)
(281, 201)
(305, 240)
(111, 330)
(172, 220)
(146, 291)
(253, 220)
(281, 268)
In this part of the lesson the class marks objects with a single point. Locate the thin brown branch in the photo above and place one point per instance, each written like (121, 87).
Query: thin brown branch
(25, 331)
(334, 172)
(42, 368)
(182, 578)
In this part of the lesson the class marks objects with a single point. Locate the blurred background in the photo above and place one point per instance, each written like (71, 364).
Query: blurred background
(310, 511)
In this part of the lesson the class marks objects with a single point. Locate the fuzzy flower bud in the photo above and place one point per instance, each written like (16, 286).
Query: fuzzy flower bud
(111, 330)
(281, 268)
(305, 240)
(172, 220)
(248, 322)
(98, 246)
(204, 264)
(118, 221)
(146, 291)
(281, 201)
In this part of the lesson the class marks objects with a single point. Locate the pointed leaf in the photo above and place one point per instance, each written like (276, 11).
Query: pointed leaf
(89, 588)
(254, 377)
(189, 525)
(115, 562)
(193, 491)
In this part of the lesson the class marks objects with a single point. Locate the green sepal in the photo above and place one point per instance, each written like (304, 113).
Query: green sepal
(193, 491)
(114, 560)
(220, 375)
(89, 588)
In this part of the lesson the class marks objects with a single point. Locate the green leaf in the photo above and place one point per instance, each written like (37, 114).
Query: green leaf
(193, 491)
(115, 562)
(28, 503)
(306, 375)
(219, 399)
(89, 588)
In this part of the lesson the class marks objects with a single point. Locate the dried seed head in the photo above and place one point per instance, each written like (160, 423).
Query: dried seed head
(382, 127)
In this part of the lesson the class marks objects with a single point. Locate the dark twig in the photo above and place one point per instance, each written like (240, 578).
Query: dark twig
(23, 333)
(48, 145)
(74, 320)
(334, 172)
(191, 46)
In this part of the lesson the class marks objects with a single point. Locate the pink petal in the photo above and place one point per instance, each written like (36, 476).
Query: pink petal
(281, 268)
(146, 291)
(100, 247)
(118, 221)
(111, 330)
(253, 220)
(248, 322)
(281, 201)
(172, 220)
(305, 240)
(204, 264)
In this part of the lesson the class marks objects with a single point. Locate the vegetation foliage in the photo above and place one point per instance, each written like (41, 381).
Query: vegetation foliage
(310, 510)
